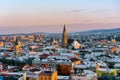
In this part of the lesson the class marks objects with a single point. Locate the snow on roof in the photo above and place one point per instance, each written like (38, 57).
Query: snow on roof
(48, 47)
(10, 58)
(117, 65)
(58, 57)
(114, 60)
(80, 66)
(12, 73)
(88, 75)
(75, 51)
(59, 61)
(75, 43)
(105, 69)
(88, 63)
(45, 60)
(33, 75)
(102, 64)
(67, 54)
(63, 77)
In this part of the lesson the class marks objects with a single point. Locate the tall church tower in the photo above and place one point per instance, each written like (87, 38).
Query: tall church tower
(41, 39)
(17, 47)
(64, 38)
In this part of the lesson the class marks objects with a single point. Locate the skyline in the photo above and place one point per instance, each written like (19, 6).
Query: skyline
(49, 15)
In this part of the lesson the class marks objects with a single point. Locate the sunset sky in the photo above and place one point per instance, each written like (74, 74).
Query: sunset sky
(20, 16)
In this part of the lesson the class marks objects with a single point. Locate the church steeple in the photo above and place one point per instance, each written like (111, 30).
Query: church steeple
(17, 47)
(64, 38)
(64, 28)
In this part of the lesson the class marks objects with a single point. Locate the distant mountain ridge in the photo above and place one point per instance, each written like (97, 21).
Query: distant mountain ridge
(101, 31)
(115, 30)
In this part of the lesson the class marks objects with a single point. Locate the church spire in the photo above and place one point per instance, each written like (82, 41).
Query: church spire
(17, 47)
(64, 38)
(64, 28)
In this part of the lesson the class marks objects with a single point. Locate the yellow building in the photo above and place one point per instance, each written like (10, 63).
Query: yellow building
(17, 47)
(105, 71)
(48, 75)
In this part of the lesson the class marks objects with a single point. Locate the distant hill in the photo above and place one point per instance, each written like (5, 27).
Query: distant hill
(83, 32)
(102, 31)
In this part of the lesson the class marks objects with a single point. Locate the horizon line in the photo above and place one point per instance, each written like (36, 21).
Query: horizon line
(20, 33)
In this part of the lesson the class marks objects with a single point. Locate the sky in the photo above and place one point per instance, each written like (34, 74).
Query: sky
(21, 16)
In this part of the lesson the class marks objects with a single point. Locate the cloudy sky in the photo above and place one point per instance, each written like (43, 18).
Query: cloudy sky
(20, 16)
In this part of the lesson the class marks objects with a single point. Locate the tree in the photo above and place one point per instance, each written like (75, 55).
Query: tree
(63, 69)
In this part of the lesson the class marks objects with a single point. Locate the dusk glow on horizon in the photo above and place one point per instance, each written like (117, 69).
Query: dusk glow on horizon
(20, 16)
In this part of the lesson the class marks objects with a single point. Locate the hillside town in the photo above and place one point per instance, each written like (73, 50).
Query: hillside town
(66, 56)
